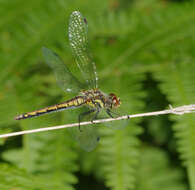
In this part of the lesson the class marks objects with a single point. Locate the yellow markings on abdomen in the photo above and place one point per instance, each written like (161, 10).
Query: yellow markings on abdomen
(73, 103)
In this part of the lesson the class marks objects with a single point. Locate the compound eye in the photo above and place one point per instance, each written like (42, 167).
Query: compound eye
(114, 101)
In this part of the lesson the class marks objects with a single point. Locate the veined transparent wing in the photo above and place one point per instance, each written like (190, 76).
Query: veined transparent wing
(79, 44)
(120, 124)
(87, 136)
(66, 80)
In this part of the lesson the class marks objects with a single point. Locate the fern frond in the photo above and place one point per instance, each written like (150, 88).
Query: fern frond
(49, 156)
(14, 178)
(177, 81)
(119, 155)
(147, 38)
(155, 172)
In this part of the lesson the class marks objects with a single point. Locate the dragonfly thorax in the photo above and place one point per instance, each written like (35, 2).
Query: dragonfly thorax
(97, 98)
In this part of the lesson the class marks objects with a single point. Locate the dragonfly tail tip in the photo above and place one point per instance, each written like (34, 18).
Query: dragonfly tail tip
(19, 117)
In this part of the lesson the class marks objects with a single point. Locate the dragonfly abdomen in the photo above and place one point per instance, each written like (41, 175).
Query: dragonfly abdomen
(70, 104)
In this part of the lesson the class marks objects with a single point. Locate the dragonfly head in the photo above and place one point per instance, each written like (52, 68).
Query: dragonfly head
(115, 101)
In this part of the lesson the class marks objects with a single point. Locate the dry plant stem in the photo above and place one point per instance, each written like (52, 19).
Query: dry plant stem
(178, 111)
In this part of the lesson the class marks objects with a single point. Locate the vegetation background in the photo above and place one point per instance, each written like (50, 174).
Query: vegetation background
(144, 51)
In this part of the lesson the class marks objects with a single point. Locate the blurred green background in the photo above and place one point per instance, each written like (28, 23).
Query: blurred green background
(144, 52)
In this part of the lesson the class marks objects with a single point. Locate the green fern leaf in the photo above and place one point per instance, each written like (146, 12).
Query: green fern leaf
(178, 84)
(14, 178)
(156, 172)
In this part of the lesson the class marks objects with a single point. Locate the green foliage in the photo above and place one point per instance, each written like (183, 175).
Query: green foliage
(127, 43)
(20, 179)
(119, 157)
(178, 84)
(160, 174)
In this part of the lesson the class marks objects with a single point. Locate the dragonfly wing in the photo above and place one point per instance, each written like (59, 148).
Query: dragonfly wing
(119, 124)
(88, 138)
(66, 80)
(79, 44)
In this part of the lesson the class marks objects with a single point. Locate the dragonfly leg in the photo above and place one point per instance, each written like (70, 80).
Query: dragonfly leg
(84, 114)
(109, 112)
(98, 106)
(96, 114)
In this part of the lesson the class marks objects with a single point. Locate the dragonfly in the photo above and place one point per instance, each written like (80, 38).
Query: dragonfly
(88, 94)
